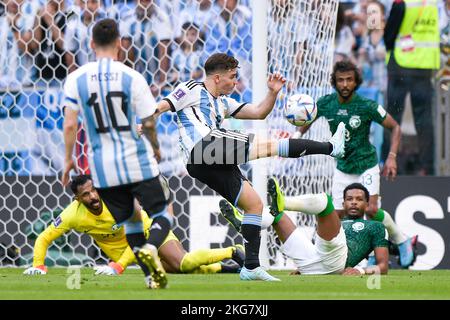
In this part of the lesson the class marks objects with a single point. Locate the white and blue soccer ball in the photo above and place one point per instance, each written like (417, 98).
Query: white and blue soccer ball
(300, 109)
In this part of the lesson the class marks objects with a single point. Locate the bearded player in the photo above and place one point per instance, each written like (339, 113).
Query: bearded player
(89, 214)
(339, 246)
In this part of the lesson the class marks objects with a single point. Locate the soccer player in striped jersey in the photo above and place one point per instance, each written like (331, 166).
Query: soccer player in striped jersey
(110, 97)
(212, 154)
(89, 214)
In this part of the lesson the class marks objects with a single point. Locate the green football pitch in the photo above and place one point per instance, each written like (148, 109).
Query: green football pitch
(399, 284)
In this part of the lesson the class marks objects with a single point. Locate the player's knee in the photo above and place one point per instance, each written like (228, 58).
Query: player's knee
(253, 206)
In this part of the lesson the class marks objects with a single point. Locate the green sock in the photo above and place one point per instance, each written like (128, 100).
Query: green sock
(329, 209)
(278, 217)
(379, 216)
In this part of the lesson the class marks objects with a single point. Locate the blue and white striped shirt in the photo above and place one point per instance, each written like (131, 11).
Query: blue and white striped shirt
(198, 112)
(110, 96)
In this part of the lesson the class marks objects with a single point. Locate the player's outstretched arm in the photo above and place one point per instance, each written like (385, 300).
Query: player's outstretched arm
(390, 165)
(149, 130)
(382, 258)
(70, 136)
(260, 111)
(43, 241)
(161, 107)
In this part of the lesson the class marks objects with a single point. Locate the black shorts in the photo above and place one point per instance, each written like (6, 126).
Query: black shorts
(214, 162)
(152, 194)
(226, 180)
(222, 147)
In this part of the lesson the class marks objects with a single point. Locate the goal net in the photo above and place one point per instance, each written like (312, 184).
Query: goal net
(166, 41)
(300, 46)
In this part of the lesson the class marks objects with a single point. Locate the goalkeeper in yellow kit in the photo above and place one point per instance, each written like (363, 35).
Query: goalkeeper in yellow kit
(88, 214)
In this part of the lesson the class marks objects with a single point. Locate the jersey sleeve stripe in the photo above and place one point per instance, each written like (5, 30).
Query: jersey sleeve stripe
(71, 100)
(238, 109)
(172, 107)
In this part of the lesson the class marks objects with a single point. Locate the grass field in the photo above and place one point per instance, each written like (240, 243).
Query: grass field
(399, 284)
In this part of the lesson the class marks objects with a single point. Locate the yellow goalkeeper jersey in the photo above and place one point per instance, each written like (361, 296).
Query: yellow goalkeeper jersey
(103, 228)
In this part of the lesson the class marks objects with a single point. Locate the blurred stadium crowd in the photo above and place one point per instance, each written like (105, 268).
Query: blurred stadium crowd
(167, 41)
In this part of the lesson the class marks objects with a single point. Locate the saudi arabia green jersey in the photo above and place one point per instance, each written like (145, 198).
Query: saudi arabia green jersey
(363, 236)
(357, 115)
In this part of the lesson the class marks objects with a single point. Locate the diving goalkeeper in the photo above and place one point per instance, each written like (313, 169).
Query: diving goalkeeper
(89, 214)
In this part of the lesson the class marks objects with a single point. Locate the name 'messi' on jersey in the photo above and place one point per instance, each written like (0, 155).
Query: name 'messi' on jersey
(111, 97)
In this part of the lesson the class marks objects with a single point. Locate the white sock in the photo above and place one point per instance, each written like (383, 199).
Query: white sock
(267, 218)
(395, 234)
(307, 203)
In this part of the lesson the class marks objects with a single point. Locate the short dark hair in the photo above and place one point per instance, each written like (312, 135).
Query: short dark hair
(220, 62)
(105, 32)
(79, 181)
(357, 186)
(344, 66)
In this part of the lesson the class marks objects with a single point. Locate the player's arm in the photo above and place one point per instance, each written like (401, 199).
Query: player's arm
(162, 106)
(70, 136)
(149, 130)
(60, 226)
(70, 127)
(260, 111)
(118, 264)
(390, 165)
(382, 258)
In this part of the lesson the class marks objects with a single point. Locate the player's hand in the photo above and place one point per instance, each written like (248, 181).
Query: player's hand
(351, 272)
(69, 164)
(38, 270)
(157, 153)
(276, 82)
(390, 169)
(112, 269)
(139, 129)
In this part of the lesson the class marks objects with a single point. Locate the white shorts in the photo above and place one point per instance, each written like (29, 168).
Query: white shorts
(322, 257)
(369, 179)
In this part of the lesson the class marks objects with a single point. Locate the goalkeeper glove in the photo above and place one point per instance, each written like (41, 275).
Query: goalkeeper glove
(112, 269)
(38, 270)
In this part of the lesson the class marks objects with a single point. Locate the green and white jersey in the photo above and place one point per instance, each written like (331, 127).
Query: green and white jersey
(357, 115)
(363, 236)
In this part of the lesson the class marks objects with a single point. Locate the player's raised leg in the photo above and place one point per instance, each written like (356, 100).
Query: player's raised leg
(320, 205)
(406, 246)
(294, 148)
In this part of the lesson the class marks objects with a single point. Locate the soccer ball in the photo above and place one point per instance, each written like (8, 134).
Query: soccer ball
(300, 109)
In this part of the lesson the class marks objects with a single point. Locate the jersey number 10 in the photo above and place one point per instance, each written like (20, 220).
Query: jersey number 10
(116, 114)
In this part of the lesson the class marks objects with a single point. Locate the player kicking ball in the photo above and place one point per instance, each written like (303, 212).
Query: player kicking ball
(338, 247)
(212, 154)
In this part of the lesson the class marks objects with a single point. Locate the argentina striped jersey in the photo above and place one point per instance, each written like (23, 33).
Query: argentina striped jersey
(109, 96)
(198, 112)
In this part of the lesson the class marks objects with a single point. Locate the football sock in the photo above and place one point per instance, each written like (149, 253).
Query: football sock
(395, 234)
(294, 148)
(160, 228)
(195, 259)
(319, 204)
(136, 239)
(251, 232)
(266, 218)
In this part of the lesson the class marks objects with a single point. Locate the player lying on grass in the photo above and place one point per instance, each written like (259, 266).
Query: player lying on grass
(338, 247)
(89, 214)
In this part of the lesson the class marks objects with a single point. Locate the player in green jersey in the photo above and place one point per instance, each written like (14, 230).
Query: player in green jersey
(338, 247)
(360, 163)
